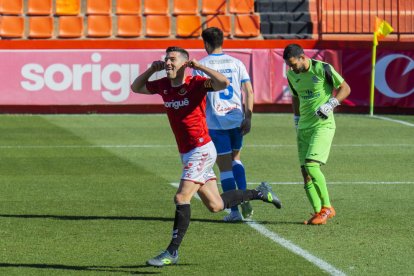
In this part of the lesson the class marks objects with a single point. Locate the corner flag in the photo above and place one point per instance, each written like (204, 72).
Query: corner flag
(382, 29)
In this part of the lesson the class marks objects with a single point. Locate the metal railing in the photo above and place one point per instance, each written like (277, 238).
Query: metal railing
(357, 17)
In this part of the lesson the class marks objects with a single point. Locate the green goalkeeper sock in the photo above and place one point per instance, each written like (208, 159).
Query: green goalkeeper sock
(318, 179)
(313, 196)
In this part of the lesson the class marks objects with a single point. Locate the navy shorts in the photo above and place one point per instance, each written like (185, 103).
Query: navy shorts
(226, 140)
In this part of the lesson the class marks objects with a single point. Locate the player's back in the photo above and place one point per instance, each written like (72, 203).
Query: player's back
(225, 108)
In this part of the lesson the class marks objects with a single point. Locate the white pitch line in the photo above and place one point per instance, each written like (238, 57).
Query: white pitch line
(174, 146)
(393, 120)
(289, 245)
(343, 182)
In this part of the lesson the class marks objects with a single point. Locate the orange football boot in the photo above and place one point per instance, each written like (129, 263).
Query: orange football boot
(330, 211)
(317, 219)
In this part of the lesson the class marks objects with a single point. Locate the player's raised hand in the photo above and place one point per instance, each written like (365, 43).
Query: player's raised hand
(194, 64)
(158, 65)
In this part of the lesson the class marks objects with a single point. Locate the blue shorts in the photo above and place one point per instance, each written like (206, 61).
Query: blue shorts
(226, 140)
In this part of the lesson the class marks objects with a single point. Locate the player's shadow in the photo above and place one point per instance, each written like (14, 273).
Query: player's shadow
(130, 269)
(266, 222)
(67, 217)
(137, 269)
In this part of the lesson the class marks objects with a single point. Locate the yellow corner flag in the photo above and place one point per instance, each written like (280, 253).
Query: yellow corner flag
(382, 29)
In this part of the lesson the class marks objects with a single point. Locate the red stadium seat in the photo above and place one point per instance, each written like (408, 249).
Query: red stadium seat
(220, 21)
(213, 7)
(14, 7)
(158, 7)
(39, 7)
(241, 6)
(158, 26)
(102, 7)
(247, 25)
(132, 7)
(128, 26)
(12, 26)
(99, 26)
(188, 26)
(70, 27)
(185, 7)
(40, 27)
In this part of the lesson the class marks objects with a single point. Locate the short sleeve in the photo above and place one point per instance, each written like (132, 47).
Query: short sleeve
(244, 75)
(337, 79)
(152, 86)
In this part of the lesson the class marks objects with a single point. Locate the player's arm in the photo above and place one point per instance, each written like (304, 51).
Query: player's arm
(295, 108)
(248, 107)
(139, 84)
(343, 92)
(218, 80)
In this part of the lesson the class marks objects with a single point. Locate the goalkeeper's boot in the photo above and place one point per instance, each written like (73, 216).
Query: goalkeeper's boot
(234, 216)
(165, 258)
(247, 210)
(317, 219)
(268, 195)
(330, 211)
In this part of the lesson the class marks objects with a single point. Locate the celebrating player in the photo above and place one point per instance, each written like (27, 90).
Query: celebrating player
(312, 83)
(227, 119)
(185, 100)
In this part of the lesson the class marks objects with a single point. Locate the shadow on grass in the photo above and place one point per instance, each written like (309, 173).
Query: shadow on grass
(106, 269)
(63, 217)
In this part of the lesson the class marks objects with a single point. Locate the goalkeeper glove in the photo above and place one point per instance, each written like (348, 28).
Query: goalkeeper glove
(324, 110)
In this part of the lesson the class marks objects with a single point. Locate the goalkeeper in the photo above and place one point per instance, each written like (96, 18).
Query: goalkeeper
(312, 83)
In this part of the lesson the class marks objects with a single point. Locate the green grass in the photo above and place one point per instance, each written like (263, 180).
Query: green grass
(79, 194)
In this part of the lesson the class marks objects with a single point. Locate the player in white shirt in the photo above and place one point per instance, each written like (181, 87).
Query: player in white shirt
(228, 119)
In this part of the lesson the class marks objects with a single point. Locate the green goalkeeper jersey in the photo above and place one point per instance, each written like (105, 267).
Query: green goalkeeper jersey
(314, 88)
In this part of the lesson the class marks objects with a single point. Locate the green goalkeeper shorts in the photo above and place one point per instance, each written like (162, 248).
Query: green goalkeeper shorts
(314, 144)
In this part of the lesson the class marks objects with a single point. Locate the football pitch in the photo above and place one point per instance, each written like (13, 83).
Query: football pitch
(93, 195)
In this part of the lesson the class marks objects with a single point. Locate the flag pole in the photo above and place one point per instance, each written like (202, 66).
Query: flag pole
(372, 89)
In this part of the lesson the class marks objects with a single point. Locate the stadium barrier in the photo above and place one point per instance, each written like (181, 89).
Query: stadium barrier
(87, 76)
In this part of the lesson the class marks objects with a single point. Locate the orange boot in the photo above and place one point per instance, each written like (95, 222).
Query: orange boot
(317, 219)
(329, 211)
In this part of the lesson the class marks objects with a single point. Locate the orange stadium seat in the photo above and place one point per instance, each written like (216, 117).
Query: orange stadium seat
(188, 26)
(156, 7)
(39, 7)
(132, 7)
(70, 27)
(247, 25)
(102, 7)
(220, 21)
(213, 7)
(158, 26)
(12, 26)
(14, 7)
(182, 7)
(241, 6)
(99, 26)
(128, 26)
(68, 7)
(40, 27)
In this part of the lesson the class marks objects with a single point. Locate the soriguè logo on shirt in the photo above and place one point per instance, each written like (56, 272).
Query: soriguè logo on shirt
(177, 104)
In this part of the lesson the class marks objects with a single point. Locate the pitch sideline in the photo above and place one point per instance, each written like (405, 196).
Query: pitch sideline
(288, 245)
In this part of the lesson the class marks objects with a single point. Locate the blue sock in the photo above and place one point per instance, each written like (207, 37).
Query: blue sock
(228, 184)
(239, 175)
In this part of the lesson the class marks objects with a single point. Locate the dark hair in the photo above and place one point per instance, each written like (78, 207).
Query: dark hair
(182, 51)
(292, 50)
(213, 36)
